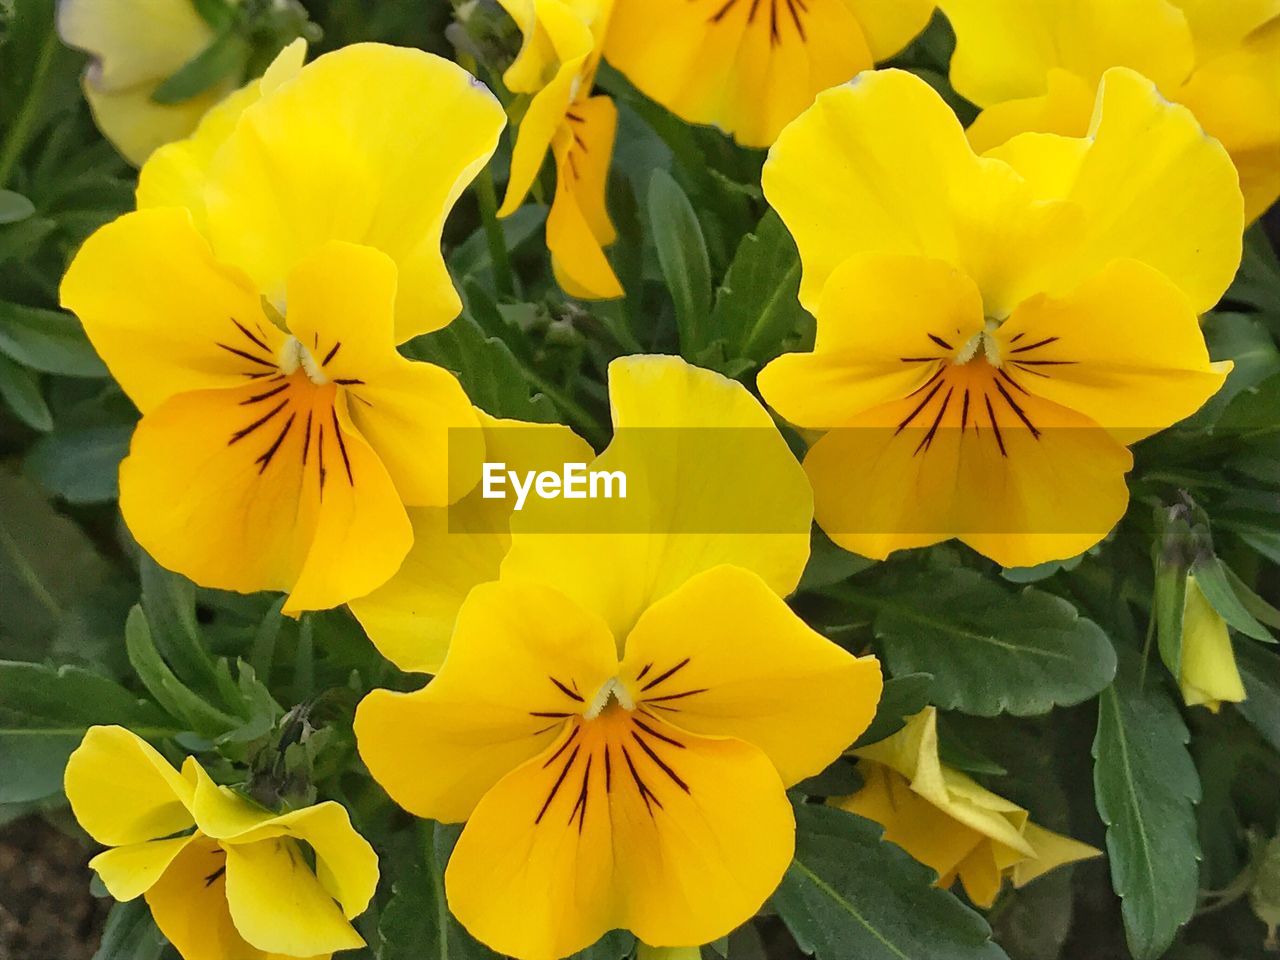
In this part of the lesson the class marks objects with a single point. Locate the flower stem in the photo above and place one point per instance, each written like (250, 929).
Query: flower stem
(488, 198)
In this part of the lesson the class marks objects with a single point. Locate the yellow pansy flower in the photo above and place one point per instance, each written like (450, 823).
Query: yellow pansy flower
(619, 715)
(950, 823)
(557, 64)
(750, 67)
(993, 331)
(1035, 66)
(136, 45)
(410, 618)
(282, 434)
(225, 879)
(1208, 674)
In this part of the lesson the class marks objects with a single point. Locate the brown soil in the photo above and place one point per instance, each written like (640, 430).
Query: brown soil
(46, 910)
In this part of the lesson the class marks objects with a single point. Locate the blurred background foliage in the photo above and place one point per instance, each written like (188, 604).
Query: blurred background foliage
(91, 631)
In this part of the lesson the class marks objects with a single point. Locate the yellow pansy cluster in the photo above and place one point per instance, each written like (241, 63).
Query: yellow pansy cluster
(617, 711)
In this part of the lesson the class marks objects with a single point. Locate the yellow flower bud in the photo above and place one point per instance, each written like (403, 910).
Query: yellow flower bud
(1209, 675)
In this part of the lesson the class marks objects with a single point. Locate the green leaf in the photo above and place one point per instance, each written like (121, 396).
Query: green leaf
(1211, 577)
(49, 568)
(14, 207)
(472, 258)
(47, 340)
(848, 893)
(416, 923)
(20, 390)
(682, 255)
(1146, 786)
(168, 691)
(1167, 604)
(756, 308)
(991, 651)
(224, 59)
(829, 564)
(1250, 417)
(903, 698)
(494, 379)
(131, 934)
(80, 465)
(1258, 607)
(1260, 671)
(1257, 282)
(44, 712)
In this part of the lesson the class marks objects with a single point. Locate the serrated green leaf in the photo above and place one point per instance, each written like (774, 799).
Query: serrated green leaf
(224, 59)
(80, 465)
(47, 340)
(20, 391)
(131, 934)
(757, 307)
(991, 651)
(848, 893)
(44, 712)
(1260, 671)
(1146, 786)
(1211, 577)
(416, 922)
(682, 255)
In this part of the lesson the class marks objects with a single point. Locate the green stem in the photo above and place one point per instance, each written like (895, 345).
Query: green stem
(487, 195)
(578, 415)
(488, 198)
(16, 141)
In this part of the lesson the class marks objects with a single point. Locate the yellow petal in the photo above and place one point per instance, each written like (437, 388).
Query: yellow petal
(536, 62)
(925, 831)
(320, 159)
(1178, 210)
(133, 41)
(1217, 27)
(724, 656)
(1209, 674)
(279, 906)
(175, 174)
(676, 837)
(748, 71)
(130, 871)
(980, 875)
(709, 481)
(868, 341)
(411, 617)
(578, 227)
(1236, 95)
(254, 488)
(958, 459)
(570, 39)
(192, 325)
(414, 415)
(137, 126)
(1066, 108)
(1006, 48)
(1124, 348)
(189, 905)
(346, 865)
(889, 25)
(122, 791)
(872, 166)
(912, 753)
(523, 660)
(1052, 851)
